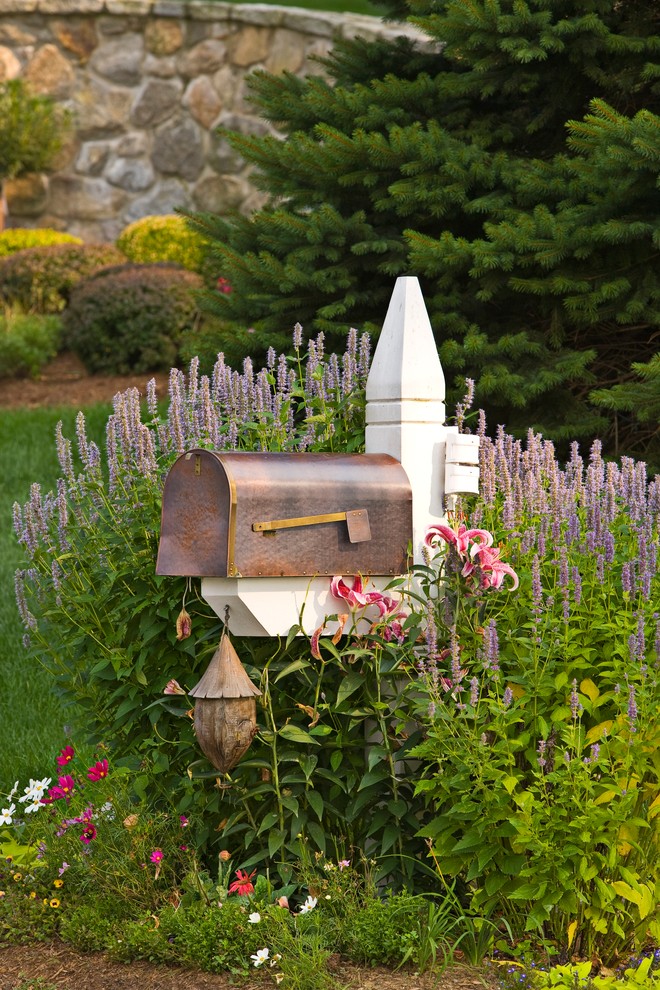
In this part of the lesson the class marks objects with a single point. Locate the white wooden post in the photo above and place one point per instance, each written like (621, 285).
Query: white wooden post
(406, 403)
(405, 418)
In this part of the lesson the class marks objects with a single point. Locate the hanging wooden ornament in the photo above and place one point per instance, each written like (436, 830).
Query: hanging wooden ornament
(225, 708)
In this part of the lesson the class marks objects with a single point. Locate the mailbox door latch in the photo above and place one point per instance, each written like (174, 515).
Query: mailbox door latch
(357, 521)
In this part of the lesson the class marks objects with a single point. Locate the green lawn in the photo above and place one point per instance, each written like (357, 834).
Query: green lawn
(32, 718)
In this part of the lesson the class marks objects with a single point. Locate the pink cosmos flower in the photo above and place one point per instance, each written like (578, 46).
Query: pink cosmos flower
(183, 820)
(64, 789)
(88, 833)
(66, 755)
(98, 771)
(156, 856)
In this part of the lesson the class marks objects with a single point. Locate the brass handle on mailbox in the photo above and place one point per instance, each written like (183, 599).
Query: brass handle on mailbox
(357, 521)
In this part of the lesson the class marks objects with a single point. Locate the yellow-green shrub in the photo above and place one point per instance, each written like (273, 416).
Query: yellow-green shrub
(164, 238)
(19, 238)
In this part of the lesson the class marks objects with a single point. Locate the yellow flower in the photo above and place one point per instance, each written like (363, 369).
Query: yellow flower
(33, 894)
(2, 893)
(54, 903)
(58, 883)
(17, 877)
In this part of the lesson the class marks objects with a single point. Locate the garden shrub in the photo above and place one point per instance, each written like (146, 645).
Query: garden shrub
(18, 238)
(106, 621)
(524, 678)
(41, 278)
(380, 933)
(131, 318)
(541, 751)
(165, 238)
(28, 341)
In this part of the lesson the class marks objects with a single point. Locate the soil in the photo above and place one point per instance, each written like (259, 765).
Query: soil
(57, 965)
(65, 382)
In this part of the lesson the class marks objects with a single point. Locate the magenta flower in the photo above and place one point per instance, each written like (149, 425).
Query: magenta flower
(66, 755)
(183, 820)
(64, 789)
(98, 771)
(88, 833)
(156, 856)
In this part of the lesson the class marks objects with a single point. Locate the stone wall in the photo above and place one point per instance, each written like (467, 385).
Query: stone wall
(147, 82)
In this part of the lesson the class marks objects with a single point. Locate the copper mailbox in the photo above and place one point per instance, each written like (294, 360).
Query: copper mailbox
(229, 514)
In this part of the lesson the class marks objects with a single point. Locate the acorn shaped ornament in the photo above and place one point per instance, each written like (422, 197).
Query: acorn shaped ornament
(225, 708)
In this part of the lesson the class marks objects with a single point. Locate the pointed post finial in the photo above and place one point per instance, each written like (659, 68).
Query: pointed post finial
(405, 412)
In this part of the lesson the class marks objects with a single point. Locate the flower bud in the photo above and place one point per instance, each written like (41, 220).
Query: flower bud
(183, 625)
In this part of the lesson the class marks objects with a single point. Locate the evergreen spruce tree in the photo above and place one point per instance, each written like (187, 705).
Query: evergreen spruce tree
(511, 160)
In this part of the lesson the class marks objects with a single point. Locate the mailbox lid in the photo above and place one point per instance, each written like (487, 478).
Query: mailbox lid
(216, 499)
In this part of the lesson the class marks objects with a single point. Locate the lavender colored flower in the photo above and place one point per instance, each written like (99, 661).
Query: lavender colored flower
(632, 708)
(628, 577)
(541, 753)
(364, 356)
(576, 707)
(466, 404)
(577, 584)
(492, 647)
(297, 337)
(474, 691)
(507, 697)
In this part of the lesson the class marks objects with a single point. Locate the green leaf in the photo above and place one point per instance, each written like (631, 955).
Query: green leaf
(290, 668)
(318, 835)
(348, 686)
(316, 803)
(295, 734)
(275, 841)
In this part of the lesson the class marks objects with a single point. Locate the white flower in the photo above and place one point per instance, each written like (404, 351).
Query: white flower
(260, 957)
(254, 918)
(13, 790)
(7, 816)
(35, 806)
(308, 906)
(35, 790)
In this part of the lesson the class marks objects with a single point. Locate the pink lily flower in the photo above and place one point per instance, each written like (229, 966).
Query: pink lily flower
(459, 538)
(494, 570)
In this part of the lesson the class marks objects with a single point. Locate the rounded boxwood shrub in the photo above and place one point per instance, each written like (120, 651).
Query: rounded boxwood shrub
(19, 238)
(41, 278)
(164, 238)
(28, 341)
(130, 318)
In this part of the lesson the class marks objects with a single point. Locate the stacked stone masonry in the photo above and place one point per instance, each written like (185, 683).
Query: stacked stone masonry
(148, 83)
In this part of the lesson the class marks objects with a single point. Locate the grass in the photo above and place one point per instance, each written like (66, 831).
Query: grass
(339, 6)
(32, 718)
